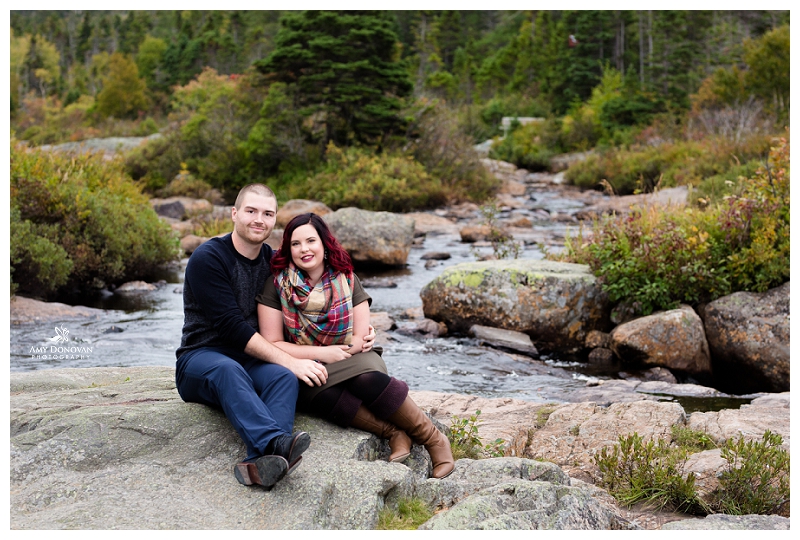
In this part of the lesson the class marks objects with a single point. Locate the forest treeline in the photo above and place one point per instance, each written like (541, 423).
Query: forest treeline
(294, 82)
(381, 109)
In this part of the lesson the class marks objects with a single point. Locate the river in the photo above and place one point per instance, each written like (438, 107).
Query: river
(144, 329)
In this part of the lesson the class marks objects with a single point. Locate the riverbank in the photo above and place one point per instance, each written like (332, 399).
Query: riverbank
(110, 448)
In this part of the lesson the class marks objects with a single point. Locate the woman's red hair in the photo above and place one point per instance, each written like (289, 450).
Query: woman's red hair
(338, 259)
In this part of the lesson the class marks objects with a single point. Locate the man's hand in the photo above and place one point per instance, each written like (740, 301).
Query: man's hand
(369, 340)
(310, 372)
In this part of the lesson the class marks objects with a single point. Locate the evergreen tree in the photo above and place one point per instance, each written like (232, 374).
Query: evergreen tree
(84, 47)
(346, 70)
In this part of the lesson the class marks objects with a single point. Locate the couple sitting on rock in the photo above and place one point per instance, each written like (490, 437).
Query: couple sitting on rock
(256, 325)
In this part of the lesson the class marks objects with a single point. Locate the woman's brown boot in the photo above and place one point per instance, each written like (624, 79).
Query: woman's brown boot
(399, 442)
(411, 419)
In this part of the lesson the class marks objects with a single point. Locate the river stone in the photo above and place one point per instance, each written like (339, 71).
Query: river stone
(652, 374)
(191, 242)
(27, 310)
(381, 321)
(508, 339)
(575, 432)
(501, 418)
(669, 197)
(295, 207)
(475, 233)
(512, 187)
(770, 412)
(425, 223)
(181, 228)
(601, 357)
(181, 207)
(596, 338)
(435, 255)
(373, 237)
(529, 505)
(555, 303)
(135, 287)
(426, 327)
(672, 339)
(723, 522)
(748, 335)
(605, 392)
(705, 466)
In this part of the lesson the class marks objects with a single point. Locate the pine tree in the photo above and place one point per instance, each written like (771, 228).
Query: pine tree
(346, 70)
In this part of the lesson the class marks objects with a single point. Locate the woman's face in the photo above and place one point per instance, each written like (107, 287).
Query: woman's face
(307, 249)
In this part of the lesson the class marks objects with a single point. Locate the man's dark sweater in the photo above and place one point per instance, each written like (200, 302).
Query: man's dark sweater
(219, 296)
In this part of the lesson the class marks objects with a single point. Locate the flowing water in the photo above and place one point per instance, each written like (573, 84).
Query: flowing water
(144, 329)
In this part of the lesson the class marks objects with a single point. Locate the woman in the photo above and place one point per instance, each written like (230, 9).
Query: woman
(316, 308)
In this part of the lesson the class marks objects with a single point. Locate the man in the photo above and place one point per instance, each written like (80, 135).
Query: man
(224, 362)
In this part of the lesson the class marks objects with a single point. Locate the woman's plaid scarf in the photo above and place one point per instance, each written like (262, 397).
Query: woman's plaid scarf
(319, 315)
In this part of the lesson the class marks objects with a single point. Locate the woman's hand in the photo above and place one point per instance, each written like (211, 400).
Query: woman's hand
(332, 353)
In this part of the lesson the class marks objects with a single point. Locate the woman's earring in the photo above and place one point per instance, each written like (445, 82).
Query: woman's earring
(325, 255)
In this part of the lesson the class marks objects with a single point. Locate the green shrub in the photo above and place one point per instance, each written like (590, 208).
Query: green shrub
(409, 515)
(667, 165)
(466, 443)
(652, 472)
(40, 262)
(357, 177)
(211, 119)
(756, 226)
(691, 440)
(756, 480)
(655, 259)
(157, 162)
(87, 214)
(715, 188)
(525, 148)
(186, 185)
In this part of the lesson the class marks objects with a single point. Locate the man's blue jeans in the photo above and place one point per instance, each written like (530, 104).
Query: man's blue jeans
(258, 398)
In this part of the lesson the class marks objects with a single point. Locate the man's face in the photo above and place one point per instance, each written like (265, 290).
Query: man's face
(255, 218)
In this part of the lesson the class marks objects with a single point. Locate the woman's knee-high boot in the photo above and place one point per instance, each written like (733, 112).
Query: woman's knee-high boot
(411, 419)
(399, 442)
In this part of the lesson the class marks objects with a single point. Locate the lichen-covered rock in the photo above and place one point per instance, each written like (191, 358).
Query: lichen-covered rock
(110, 448)
(295, 207)
(672, 339)
(723, 522)
(373, 237)
(748, 335)
(529, 505)
(556, 304)
(471, 476)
